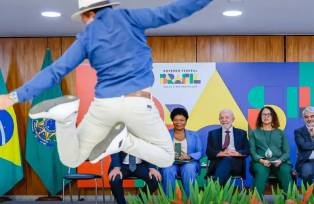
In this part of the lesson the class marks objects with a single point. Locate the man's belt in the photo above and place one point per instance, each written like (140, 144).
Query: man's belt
(140, 94)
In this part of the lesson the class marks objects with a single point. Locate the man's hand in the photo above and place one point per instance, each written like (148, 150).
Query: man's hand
(233, 153)
(184, 156)
(222, 154)
(6, 102)
(228, 153)
(153, 172)
(266, 163)
(115, 172)
(311, 130)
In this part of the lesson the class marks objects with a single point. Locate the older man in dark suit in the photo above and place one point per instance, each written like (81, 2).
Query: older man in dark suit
(227, 148)
(125, 165)
(304, 138)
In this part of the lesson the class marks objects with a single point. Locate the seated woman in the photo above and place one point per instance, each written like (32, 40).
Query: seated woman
(270, 151)
(188, 153)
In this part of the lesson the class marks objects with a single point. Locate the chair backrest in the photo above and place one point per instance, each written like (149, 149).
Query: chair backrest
(203, 135)
(98, 169)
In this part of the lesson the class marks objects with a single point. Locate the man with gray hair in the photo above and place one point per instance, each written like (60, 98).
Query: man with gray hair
(227, 147)
(304, 138)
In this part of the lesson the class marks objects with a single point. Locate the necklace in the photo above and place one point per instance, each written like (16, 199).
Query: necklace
(268, 153)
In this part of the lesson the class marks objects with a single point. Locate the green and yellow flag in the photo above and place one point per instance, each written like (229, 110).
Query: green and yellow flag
(11, 170)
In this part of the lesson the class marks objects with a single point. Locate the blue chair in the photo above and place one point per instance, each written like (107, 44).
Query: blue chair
(84, 176)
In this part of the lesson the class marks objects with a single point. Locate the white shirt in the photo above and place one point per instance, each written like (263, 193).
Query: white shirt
(312, 155)
(231, 145)
(126, 160)
(184, 145)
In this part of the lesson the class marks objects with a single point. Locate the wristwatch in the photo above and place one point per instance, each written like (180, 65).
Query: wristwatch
(13, 96)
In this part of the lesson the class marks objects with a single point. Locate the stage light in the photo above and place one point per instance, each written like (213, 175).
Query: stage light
(51, 14)
(232, 13)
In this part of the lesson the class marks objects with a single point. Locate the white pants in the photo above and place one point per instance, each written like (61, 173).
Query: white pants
(148, 137)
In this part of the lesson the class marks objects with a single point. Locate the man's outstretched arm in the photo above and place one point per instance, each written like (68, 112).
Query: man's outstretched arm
(171, 13)
(46, 78)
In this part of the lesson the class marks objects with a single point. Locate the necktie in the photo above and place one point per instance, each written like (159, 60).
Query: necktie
(227, 140)
(132, 163)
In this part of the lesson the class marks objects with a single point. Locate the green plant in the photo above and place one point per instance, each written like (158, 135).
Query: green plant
(278, 195)
(212, 193)
(308, 196)
(293, 196)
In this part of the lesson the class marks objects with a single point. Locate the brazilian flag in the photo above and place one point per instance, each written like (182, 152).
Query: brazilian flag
(11, 170)
(41, 144)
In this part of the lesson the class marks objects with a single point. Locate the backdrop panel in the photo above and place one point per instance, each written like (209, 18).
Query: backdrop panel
(206, 88)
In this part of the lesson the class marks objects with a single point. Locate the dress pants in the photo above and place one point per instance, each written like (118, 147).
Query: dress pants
(226, 166)
(307, 172)
(261, 174)
(188, 173)
(140, 172)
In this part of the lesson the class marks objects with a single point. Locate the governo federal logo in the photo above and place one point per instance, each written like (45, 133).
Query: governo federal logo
(6, 127)
(180, 77)
(45, 131)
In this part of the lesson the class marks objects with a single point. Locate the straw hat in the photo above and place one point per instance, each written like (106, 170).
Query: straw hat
(87, 5)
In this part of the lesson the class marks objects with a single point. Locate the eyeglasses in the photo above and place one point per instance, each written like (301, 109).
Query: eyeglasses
(266, 115)
(309, 116)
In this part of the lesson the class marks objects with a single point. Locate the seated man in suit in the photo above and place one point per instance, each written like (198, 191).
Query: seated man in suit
(123, 166)
(304, 138)
(226, 148)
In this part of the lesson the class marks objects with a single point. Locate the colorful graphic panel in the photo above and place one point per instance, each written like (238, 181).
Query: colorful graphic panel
(241, 87)
(204, 89)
